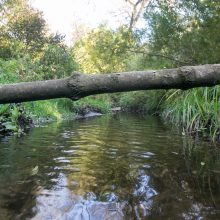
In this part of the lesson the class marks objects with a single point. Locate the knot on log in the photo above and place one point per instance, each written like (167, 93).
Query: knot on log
(73, 83)
(188, 76)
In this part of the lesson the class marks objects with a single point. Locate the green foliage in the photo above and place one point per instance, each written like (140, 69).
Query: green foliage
(56, 61)
(7, 71)
(99, 104)
(46, 110)
(13, 119)
(177, 33)
(23, 25)
(24, 38)
(103, 50)
(17, 70)
(27, 53)
(146, 101)
(196, 110)
(184, 32)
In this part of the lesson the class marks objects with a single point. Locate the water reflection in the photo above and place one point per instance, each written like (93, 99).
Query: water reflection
(112, 167)
(61, 203)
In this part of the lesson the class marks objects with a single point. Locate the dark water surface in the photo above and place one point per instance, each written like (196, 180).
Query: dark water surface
(110, 167)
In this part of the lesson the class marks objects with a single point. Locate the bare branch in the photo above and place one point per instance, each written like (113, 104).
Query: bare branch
(136, 11)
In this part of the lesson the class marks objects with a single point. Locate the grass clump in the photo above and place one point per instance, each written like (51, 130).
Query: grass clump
(196, 110)
(43, 110)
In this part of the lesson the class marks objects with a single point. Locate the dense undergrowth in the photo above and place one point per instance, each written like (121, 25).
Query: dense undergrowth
(196, 110)
(16, 118)
(141, 101)
(13, 119)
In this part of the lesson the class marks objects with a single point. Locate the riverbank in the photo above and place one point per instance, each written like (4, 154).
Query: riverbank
(17, 118)
(195, 111)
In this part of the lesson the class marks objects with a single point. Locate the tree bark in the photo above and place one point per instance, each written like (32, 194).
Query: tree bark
(80, 85)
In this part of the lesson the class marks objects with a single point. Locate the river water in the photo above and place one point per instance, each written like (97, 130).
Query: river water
(109, 167)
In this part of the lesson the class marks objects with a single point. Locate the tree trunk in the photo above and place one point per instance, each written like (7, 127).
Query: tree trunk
(80, 85)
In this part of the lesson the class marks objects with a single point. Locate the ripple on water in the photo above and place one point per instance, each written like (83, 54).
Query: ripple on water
(119, 167)
(60, 203)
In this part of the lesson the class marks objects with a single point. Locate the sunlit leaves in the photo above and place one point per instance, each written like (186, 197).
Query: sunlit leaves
(104, 50)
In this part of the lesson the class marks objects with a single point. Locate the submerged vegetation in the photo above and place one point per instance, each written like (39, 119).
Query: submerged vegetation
(176, 33)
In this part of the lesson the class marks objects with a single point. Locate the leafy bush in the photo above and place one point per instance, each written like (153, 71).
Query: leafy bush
(13, 118)
(143, 101)
(99, 104)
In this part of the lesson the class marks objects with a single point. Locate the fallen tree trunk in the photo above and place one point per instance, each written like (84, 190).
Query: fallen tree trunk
(80, 85)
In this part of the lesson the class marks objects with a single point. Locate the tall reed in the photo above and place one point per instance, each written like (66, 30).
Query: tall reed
(196, 110)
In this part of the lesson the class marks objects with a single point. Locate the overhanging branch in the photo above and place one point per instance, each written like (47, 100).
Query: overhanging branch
(80, 85)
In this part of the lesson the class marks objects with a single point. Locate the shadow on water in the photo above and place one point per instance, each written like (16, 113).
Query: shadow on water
(110, 167)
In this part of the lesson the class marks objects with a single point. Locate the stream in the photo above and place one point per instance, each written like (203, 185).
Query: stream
(113, 167)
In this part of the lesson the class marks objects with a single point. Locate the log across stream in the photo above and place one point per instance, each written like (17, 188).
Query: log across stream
(81, 85)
